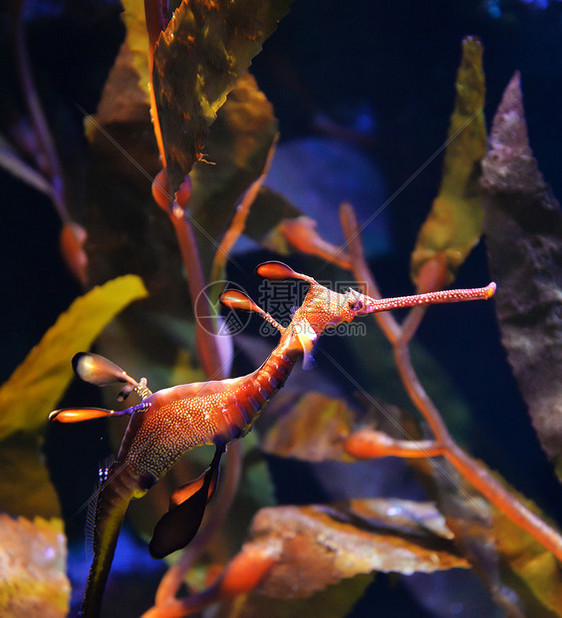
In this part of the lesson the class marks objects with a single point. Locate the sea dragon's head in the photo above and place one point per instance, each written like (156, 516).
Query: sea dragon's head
(324, 308)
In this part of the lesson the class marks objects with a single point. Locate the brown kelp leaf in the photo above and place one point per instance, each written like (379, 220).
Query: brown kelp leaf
(122, 101)
(238, 222)
(205, 48)
(332, 602)
(269, 210)
(127, 232)
(312, 430)
(281, 227)
(523, 226)
(318, 545)
(405, 516)
(454, 224)
(238, 147)
(33, 567)
(27, 489)
(34, 388)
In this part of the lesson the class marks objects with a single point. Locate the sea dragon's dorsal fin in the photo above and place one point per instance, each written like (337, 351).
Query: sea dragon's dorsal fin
(279, 271)
(180, 524)
(235, 299)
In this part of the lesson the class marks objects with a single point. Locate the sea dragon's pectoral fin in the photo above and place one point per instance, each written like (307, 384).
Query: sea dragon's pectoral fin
(77, 415)
(180, 524)
(307, 338)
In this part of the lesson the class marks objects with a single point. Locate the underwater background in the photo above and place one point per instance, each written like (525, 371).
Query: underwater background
(363, 93)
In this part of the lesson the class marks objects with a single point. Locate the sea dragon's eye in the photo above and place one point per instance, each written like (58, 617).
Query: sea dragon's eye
(355, 304)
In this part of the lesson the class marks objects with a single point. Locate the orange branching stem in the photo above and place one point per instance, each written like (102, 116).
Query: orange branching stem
(359, 268)
(154, 26)
(209, 357)
(239, 220)
(176, 209)
(176, 608)
(242, 575)
(301, 234)
(369, 444)
(207, 348)
(400, 336)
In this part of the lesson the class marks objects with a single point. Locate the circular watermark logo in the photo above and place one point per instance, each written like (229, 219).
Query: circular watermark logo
(213, 317)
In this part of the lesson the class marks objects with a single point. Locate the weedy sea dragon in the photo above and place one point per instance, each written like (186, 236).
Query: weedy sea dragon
(174, 420)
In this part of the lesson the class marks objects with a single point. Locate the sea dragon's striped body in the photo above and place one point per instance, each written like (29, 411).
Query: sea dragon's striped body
(172, 421)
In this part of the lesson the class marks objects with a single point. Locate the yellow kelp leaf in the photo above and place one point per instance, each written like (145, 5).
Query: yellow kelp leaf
(454, 224)
(137, 40)
(35, 387)
(27, 489)
(33, 580)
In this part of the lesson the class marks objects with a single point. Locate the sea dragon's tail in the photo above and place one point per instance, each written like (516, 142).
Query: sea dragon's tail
(113, 499)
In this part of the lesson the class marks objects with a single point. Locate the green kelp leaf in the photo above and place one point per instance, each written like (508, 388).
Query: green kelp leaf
(523, 225)
(206, 47)
(136, 40)
(312, 430)
(33, 566)
(332, 602)
(320, 545)
(27, 489)
(238, 147)
(35, 387)
(530, 569)
(454, 224)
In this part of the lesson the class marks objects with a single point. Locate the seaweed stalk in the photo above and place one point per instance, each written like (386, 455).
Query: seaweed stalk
(399, 336)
